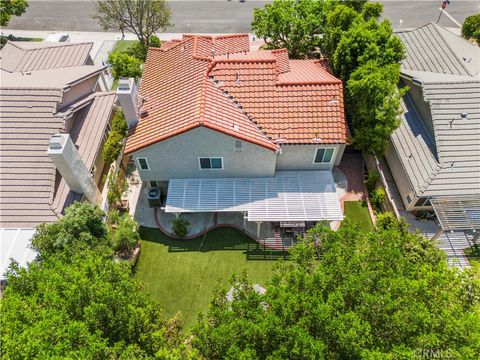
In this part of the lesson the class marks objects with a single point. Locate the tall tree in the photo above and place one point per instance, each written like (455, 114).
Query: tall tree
(9, 8)
(292, 24)
(141, 17)
(375, 105)
(82, 306)
(386, 294)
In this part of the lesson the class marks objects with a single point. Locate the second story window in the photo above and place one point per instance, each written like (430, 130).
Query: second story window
(210, 163)
(143, 163)
(323, 155)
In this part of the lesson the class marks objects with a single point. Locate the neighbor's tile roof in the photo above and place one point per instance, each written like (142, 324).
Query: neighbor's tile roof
(31, 190)
(257, 96)
(435, 49)
(446, 161)
(24, 56)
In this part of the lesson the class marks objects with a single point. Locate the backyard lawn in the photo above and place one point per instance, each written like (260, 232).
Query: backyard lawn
(356, 213)
(124, 45)
(183, 274)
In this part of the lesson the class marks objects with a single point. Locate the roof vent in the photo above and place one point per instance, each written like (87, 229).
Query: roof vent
(235, 103)
(464, 115)
(236, 127)
(143, 114)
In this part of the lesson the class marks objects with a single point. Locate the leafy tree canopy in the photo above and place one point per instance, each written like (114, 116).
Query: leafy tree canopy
(350, 295)
(294, 25)
(375, 103)
(124, 65)
(88, 307)
(82, 227)
(141, 17)
(471, 28)
(9, 8)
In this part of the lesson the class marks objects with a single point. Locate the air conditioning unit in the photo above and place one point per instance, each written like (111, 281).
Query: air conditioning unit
(153, 197)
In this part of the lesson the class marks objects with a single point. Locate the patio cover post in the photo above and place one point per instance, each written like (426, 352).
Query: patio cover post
(177, 215)
(437, 234)
(258, 229)
(244, 219)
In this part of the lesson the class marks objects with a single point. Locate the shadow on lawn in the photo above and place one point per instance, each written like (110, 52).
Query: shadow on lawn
(216, 240)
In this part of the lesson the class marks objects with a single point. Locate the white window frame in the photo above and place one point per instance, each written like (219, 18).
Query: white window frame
(324, 148)
(210, 157)
(140, 166)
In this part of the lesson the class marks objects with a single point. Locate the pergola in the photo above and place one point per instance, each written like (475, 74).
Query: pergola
(457, 214)
(291, 196)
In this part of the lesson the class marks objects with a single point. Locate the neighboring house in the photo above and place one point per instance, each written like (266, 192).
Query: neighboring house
(223, 128)
(434, 155)
(53, 121)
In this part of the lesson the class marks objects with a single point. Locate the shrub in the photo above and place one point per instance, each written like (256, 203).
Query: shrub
(378, 197)
(112, 147)
(124, 65)
(114, 217)
(471, 28)
(117, 187)
(119, 124)
(180, 227)
(373, 177)
(125, 236)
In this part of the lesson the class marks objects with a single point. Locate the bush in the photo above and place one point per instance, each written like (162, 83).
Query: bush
(124, 65)
(119, 124)
(117, 187)
(377, 198)
(373, 177)
(139, 50)
(114, 217)
(125, 236)
(180, 227)
(471, 28)
(113, 145)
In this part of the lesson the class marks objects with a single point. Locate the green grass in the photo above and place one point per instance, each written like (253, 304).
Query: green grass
(183, 274)
(356, 213)
(123, 45)
(473, 253)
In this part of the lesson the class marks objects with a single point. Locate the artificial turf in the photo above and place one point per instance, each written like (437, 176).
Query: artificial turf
(183, 274)
(356, 213)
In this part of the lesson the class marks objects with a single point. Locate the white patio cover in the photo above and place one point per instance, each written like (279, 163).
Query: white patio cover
(15, 244)
(289, 196)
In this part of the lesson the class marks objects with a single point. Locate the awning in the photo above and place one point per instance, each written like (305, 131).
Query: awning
(15, 244)
(289, 196)
(457, 213)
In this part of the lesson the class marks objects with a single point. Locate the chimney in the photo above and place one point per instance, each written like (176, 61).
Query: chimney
(128, 96)
(68, 162)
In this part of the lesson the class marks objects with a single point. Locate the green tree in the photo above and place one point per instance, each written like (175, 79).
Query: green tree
(125, 235)
(350, 295)
(375, 105)
(113, 145)
(82, 227)
(363, 42)
(9, 8)
(294, 25)
(471, 28)
(141, 17)
(124, 65)
(82, 306)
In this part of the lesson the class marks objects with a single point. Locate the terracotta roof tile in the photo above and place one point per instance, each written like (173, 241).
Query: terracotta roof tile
(257, 96)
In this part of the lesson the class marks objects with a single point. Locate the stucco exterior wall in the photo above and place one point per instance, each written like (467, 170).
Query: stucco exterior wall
(177, 157)
(81, 89)
(300, 157)
(399, 175)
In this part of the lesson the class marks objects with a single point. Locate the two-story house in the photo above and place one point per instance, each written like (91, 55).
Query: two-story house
(54, 114)
(222, 128)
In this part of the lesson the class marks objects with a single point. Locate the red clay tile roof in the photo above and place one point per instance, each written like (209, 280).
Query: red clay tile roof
(258, 96)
